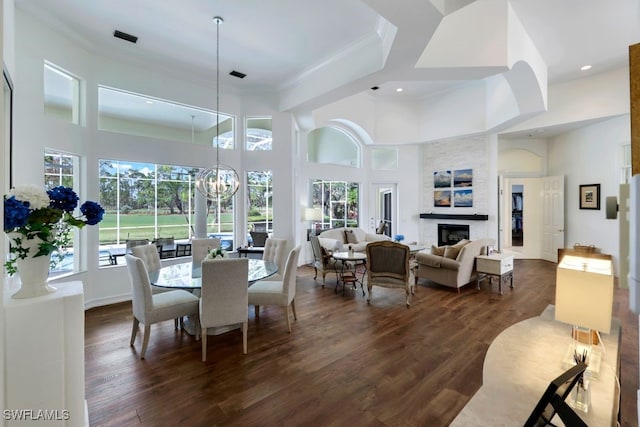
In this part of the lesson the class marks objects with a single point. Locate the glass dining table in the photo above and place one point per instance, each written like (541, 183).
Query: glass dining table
(187, 276)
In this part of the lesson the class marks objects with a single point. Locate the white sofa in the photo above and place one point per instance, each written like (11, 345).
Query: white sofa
(335, 239)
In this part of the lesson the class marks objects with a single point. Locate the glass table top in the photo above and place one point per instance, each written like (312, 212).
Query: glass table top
(187, 276)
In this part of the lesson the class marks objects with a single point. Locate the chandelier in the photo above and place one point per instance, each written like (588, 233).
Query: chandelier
(220, 182)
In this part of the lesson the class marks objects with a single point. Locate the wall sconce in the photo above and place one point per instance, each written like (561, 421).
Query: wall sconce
(611, 207)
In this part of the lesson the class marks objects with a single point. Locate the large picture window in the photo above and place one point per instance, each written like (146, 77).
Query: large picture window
(339, 200)
(150, 201)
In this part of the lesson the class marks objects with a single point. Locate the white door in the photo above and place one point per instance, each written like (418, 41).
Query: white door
(553, 217)
(382, 206)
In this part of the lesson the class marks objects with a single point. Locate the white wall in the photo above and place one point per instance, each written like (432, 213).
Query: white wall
(589, 156)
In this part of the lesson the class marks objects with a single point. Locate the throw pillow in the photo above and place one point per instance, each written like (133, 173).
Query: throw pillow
(437, 250)
(452, 251)
(350, 236)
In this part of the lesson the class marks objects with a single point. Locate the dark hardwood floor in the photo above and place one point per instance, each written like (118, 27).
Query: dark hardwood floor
(345, 363)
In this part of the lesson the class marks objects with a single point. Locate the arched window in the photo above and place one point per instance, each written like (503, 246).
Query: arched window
(330, 145)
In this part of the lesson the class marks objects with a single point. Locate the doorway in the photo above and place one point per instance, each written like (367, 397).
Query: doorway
(383, 207)
(517, 229)
(542, 213)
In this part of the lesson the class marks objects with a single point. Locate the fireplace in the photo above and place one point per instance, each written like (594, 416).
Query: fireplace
(450, 234)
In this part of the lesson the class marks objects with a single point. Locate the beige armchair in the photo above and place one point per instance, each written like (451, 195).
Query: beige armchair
(278, 292)
(388, 267)
(224, 298)
(149, 308)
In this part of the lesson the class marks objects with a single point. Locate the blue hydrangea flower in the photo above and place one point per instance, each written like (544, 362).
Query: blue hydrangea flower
(16, 213)
(398, 237)
(92, 211)
(63, 198)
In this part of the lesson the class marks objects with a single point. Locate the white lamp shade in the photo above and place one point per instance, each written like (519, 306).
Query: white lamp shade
(584, 292)
(312, 214)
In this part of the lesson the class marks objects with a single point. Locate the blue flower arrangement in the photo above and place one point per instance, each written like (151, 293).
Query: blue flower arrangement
(398, 237)
(30, 212)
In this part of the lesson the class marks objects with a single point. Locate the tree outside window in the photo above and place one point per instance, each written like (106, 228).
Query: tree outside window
(149, 201)
(260, 200)
(62, 169)
(339, 201)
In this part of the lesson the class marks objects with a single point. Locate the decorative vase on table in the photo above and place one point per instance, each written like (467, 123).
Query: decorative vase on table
(32, 270)
(38, 223)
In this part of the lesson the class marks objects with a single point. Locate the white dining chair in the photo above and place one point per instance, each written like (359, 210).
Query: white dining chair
(278, 292)
(200, 247)
(275, 250)
(149, 255)
(224, 297)
(149, 308)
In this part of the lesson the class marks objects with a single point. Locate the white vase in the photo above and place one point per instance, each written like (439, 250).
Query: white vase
(33, 271)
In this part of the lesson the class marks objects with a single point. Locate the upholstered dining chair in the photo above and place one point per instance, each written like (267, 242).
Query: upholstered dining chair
(151, 259)
(323, 262)
(224, 298)
(149, 308)
(149, 255)
(200, 247)
(388, 267)
(275, 250)
(278, 292)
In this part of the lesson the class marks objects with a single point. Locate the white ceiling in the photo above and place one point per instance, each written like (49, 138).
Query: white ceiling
(278, 42)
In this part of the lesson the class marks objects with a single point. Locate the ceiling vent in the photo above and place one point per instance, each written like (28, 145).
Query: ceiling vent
(238, 74)
(124, 36)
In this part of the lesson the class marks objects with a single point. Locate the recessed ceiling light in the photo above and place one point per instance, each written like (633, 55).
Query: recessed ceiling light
(585, 67)
(399, 89)
(149, 102)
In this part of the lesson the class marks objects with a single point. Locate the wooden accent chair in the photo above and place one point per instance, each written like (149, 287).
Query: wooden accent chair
(388, 267)
(323, 262)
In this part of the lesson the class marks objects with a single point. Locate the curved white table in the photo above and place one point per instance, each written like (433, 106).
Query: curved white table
(523, 360)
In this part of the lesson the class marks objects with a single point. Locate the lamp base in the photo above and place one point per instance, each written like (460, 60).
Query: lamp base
(594, 358)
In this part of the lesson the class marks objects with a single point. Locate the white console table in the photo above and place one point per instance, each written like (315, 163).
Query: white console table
(45, 357)
(523, 360)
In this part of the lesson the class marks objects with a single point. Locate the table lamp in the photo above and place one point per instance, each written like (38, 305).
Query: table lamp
(315, 216)
(584, 299)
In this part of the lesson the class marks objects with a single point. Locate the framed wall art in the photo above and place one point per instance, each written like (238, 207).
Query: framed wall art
(442, 179)
(590, 196)
(463, 198)
(442, 198)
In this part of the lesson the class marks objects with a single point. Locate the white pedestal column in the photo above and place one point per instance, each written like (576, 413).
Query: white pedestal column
(45, 358)
(200, 215)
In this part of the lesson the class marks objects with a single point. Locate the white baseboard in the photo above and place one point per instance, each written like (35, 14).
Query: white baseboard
(99, 302)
